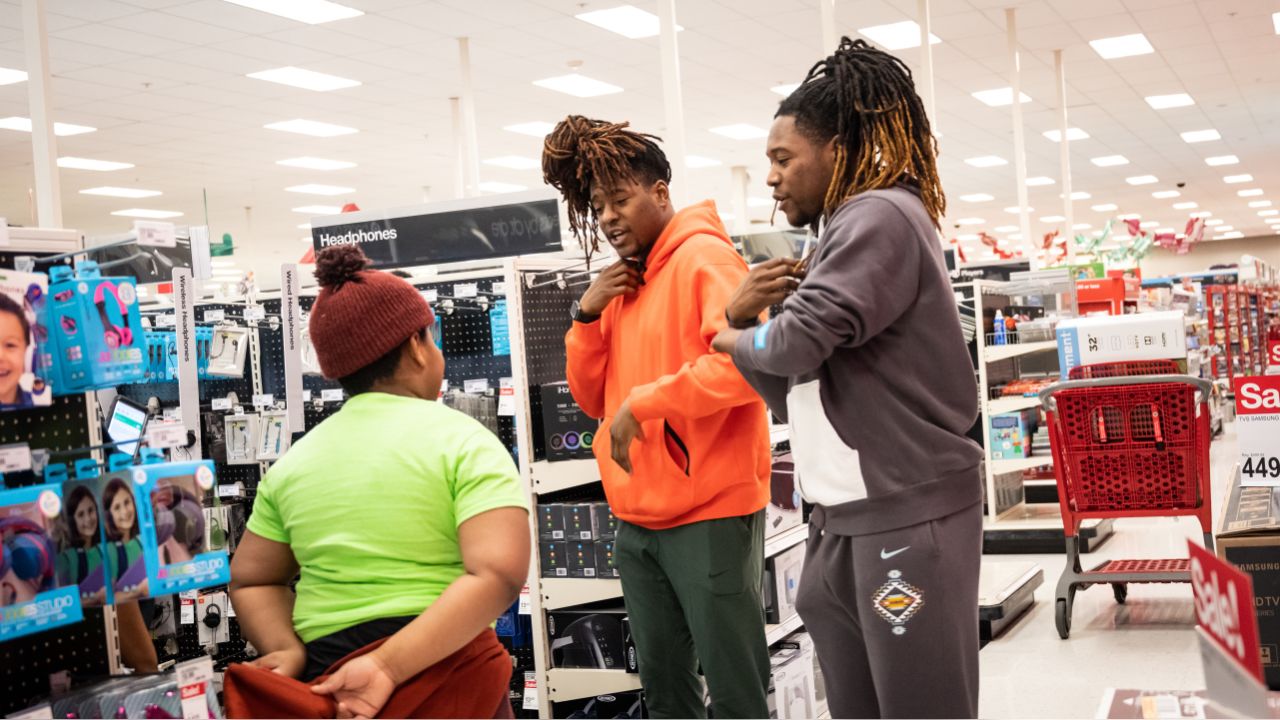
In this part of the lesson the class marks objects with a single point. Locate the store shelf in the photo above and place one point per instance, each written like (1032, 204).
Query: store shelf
(549, 477)
(775, 633)
(1012, 404)
(784, 540)
(996, 353)
(560, 593)
(1005, 466)
(572, 684)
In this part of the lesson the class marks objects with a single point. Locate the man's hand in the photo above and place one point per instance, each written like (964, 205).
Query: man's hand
(289, 663)
(622, 432)
(725, 340)
(360, 688)
(768, 284)
(617, 279)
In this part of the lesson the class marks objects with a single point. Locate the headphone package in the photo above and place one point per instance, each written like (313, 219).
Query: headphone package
(99, 341)
(241, 439)
(32, 599)
(175, 544)
(23, 330)
(82, 558)
(228, 348)
(567, 431)
(273, 434)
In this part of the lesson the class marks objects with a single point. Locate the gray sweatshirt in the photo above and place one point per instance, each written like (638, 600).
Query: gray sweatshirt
(868, 366)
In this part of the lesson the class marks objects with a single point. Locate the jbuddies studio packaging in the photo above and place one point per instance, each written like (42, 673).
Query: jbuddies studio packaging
(31, 597)
(170, 496)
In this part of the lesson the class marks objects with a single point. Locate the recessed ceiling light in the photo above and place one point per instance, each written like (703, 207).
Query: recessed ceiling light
(741, 131)
(1222, 160)
(315, 163)
(1260, 203)
(626, 20)
(1164, 102)
(319, 209)
(1205, 214)
(968, 238)
(1081, 226)
(119, 192)
(316, 189)
(578, 85)
(147, 214)
(897, 36)
(1014, 236)
(1234, 235)
(1233, 179)
(1275, 21)
(1105, 207)
(1165, 230)
(986, 161)
(1268, 213)
(1052, 219)
(1198, 136)
(971, 221)
(305, 79)
(1185, 206)
(1130, 216)
(1142, 179)
(1072, 134)
(1251, 192)
(1007, 228)
(1165, 194)
(501, 187)
(75, 163)
(514, 162)
(999, 97)
(1015, 210)
(1213, 222)
(22, 124)
(1078, 195)
(311, 12)
(785, 89)
(9, 76)
(1039, 180)
(1149, 224)
(1110, 160)
(1122, 46)
(695, 162)
(314, 128)
(537, 128)
(1224, 228)
(977, 198)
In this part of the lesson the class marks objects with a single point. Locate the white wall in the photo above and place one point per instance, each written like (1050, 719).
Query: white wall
(1161, 262)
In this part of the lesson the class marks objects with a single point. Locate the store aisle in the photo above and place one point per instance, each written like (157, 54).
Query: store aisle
(1147, 643)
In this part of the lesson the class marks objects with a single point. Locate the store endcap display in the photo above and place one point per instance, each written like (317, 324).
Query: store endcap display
(32, 596)
(24, 328)
(227, 351)
(241, 437)
(96, 330)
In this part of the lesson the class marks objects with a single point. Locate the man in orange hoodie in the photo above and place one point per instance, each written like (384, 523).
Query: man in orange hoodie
(683, 448)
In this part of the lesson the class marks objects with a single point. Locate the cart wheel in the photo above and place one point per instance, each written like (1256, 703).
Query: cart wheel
(1062, 618)
(1121, 591)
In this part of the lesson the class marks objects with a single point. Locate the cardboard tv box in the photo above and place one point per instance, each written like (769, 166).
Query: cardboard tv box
(1250, 539)
(1113, 338)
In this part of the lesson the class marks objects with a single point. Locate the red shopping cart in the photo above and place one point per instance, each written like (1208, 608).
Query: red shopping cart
(1129, 439)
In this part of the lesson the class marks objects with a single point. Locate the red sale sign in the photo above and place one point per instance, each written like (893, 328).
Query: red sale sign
(1257, 395)
(1224, 608)
(1258, 429)
(1273, 353)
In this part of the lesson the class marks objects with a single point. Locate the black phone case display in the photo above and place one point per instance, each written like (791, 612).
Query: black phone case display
(587, 639)
(567, 432)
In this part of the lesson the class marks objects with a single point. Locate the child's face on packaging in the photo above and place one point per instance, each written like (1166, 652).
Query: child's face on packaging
(13, 356)
(122, 513)
(86, 517)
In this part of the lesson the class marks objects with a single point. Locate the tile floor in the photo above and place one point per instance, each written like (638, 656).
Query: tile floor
(1029, 672)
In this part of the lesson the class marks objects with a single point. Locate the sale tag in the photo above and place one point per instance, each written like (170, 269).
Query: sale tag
(215, 315)
(166, 435)
(526, 602)
(476, 387)
(506, 397)
(194, 677)
(530, 691)
(155, 234)
(188, 614)
(166, 320)
(221, 404)
(261, 401)
(466, 290)
(331, 395)
(15, 458)
(1224, 607)
(1258, 429)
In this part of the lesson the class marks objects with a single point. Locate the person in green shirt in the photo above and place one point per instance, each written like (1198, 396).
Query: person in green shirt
(400, 517)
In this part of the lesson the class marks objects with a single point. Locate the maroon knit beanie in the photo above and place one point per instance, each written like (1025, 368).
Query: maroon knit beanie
(360, 314)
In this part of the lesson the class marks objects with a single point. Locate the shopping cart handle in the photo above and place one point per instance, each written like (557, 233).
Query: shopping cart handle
(1047, 400)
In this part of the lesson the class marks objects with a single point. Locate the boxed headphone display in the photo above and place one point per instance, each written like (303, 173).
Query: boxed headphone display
(173, 524)
(22, 327)
(82, 559)
(555, 558)
(32, 596)
(782, 582)
(582, 558)
(96, 329)
(227, 350)
(587, 639)
(605, 566)
(568, 432)
(241, 439)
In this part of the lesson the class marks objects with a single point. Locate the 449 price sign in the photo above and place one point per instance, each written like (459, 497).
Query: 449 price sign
(1258, 425)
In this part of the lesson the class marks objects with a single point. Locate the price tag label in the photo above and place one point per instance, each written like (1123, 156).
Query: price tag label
(15, 458)
(261, 401)
(478, 386)
(155, 234)
(506, 397)
(194, 678)
(306, 396)
(466, 290)
(166, 435)
(166, 320)
(1258, 429)
(215, 315)
(530, 692)
(444, 386)
(254, 313)
(499, 288)
(221, 404)
(331, 395)
(187, 615)
(431, 295)
(235, 489)
(526, 602)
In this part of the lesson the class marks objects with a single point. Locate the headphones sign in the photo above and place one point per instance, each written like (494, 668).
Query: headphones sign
(454, 231)
(188, 372)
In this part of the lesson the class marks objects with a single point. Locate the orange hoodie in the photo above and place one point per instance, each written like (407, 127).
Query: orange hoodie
(706, 449)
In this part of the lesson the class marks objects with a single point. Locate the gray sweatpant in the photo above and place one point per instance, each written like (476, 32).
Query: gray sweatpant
(894, 616)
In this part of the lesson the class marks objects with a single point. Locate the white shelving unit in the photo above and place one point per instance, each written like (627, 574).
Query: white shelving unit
(775, 633)
(560, 593)
(572, 684)
(785, 539)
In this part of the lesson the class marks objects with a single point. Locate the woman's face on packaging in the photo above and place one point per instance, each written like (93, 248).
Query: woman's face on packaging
(86, 517)
(13, 356)
(122, 513)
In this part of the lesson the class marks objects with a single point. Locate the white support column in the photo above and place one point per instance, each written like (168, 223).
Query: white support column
(44, 145)
(459, 152)
(926, 65)
(673, 101)
(830, 37)
(470, 150)
(1019, 136)
(1064, 153)
(741, 220)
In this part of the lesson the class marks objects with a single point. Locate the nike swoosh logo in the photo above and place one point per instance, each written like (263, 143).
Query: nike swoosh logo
(886, 555)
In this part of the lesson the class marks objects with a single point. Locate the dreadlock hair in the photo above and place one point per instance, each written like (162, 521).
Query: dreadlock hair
(866, 100)
(581, 152)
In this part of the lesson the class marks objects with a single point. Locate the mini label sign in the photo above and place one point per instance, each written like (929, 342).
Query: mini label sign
(15, 458)
(155, 234)
(331, 395)
(166, 320)
(466, 290)
(254, 313)
(477, 386)
(215, 315)
(261, 401)
(166, 435)
(221, 404)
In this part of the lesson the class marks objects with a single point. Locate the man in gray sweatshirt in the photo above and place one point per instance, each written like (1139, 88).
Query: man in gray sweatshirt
(868, 365)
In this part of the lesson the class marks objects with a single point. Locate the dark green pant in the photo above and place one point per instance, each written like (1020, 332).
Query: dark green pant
(693, 594)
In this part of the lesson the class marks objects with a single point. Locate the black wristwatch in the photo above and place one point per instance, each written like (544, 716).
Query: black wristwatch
(740, 325)
(575, 312)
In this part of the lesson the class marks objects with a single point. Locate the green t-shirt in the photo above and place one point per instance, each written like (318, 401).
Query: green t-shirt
(370, 502)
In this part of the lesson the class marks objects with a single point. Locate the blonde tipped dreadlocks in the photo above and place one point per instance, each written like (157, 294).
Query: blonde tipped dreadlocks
(581, 153)
(866, 100)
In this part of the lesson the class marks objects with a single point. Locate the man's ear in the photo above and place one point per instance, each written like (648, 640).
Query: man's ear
(662, 192)
(829, 150)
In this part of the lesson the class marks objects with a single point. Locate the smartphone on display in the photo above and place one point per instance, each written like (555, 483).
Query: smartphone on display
(128, 423)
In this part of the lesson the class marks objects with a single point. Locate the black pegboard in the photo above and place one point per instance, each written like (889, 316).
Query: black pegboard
(545, 312)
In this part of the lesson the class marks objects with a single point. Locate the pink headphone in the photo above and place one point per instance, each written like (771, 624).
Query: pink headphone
(115, 336)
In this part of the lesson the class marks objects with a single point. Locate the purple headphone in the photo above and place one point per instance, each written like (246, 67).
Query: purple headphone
(27, 551)
(178, 514)
(115, 336)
